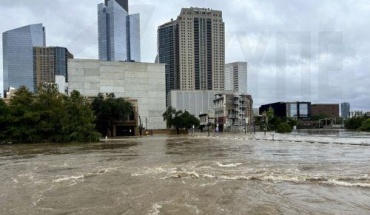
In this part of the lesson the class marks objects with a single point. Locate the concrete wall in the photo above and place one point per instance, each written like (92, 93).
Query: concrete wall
(142, 81)
(195, 102)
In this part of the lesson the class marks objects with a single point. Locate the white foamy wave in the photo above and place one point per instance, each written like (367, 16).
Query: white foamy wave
(318, 139)
(82, 177)
(280, 178)
(69, 178)
(183, 175)
(15, 180)
(153, 171)
(228, 165)
(237, 177)
(346, 184)
(155, 209)
(208, 176)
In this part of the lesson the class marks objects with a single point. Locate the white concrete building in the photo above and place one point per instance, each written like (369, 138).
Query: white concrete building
(142, 81)
(60, 80)
(236, 77)
(195, 102)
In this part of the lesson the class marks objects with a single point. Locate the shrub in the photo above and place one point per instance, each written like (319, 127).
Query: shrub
(284, 127)
(365, 126)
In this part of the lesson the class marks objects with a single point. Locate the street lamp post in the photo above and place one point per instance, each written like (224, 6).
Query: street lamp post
(140, 126)
(208, 124)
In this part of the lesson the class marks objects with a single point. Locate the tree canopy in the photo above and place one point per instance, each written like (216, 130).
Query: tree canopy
(168, 116)
(180, 119)
(354, 123)
(47, 116)
(365, 126)
(108, 110)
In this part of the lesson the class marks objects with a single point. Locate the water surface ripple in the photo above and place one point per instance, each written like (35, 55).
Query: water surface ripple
(195, 174)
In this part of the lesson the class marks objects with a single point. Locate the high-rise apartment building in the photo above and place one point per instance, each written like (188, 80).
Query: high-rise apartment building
(168, 47)
(50, 62)
(118, 32)
(18, 61)
(193, 47)
(236, 77)
(345, 110)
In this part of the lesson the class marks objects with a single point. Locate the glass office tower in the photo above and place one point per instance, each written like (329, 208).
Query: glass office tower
(168, 48)
(133, 37)
(18, 55)
(345, 110)
(118, 32)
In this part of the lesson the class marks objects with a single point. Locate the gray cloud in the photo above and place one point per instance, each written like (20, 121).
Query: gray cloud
(296, 50)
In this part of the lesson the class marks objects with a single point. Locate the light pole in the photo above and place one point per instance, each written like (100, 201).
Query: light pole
(208, 123)
(140, 126)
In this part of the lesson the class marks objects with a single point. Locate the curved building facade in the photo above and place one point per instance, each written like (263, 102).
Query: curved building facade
(18, 62)
(118, 32)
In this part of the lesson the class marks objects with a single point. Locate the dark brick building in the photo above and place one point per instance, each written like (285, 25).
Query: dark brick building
(329, 110)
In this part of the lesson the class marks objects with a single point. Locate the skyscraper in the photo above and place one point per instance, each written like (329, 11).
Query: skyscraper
(345, 110)
(193, 47)
(50, 62)
(18, 55)
(119, 32)
(168, 47)
(236, 77)
(123, 3)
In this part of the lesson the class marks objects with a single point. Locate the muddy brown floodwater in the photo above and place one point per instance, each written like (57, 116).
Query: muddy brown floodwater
(226, 174)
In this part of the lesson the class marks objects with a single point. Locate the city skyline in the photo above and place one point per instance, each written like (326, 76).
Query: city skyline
(324, 41)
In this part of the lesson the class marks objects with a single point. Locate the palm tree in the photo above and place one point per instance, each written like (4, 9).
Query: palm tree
(168, 116)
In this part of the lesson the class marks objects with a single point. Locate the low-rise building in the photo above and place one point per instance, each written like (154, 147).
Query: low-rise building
(328, 110)
(144, 82)
(297, 110)
(195, 102)
(233, 112)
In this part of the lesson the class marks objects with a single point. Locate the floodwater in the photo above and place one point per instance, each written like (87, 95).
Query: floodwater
(225, 174)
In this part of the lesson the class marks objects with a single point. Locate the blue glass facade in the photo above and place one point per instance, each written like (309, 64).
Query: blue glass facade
(118, 33)
(18, 55)
(168, 47)
(133, 37)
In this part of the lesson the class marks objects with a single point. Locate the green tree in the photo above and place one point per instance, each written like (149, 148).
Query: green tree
(49, 117)
(270, 121)
(292, 122)
(24, 118)
(284, 127)
(168, 116)
(4, 120)
(51, 113)
(365, 126)
(109, 110)
(184, 120)
(78, 125)
(354, 123)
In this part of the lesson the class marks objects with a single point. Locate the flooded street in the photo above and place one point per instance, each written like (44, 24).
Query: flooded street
(226, 174)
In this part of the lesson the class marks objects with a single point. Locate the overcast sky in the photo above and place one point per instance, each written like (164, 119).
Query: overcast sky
(297, 50)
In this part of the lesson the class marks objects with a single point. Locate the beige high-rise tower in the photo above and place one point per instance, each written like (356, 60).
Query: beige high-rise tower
(197, 55)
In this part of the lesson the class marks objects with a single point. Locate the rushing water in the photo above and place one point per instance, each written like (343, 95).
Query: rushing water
(226, 174)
